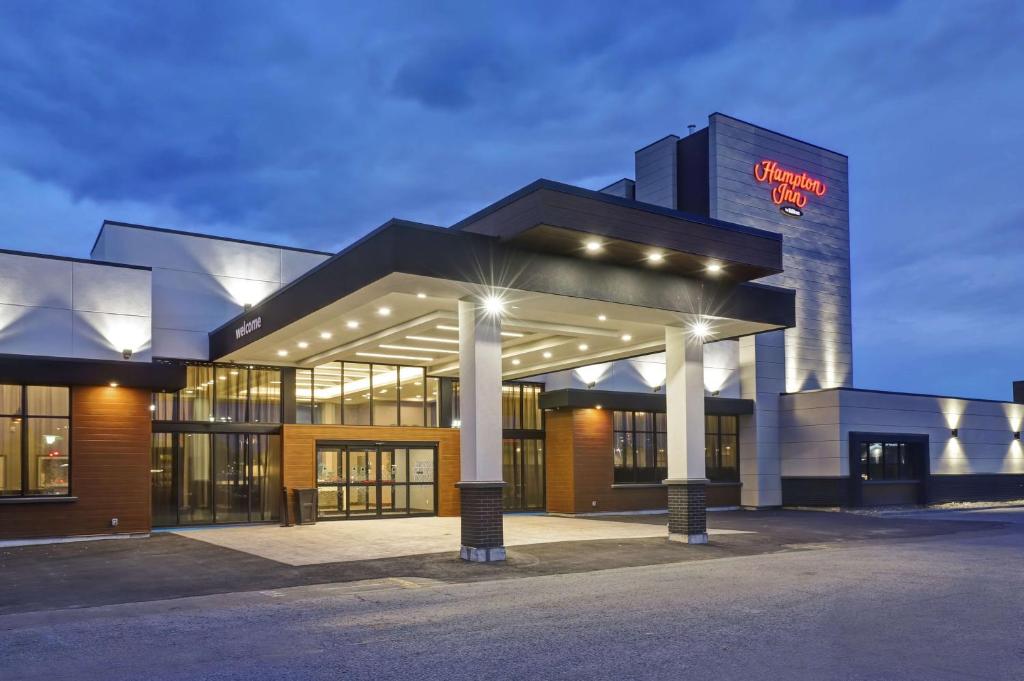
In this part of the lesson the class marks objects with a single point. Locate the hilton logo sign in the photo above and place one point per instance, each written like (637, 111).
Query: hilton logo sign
(789, 188)
(248, 327)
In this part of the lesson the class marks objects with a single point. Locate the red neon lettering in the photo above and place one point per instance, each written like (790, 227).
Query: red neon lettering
(788, 186)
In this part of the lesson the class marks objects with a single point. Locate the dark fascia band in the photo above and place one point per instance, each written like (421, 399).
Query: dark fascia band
(574, 398)
(69, 371)
(465, 257)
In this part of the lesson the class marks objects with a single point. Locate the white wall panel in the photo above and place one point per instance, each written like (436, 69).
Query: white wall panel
(119, 290)
(35, 282)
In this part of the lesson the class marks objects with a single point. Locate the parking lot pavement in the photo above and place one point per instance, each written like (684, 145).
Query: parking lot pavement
(167, 566)
(892, 599)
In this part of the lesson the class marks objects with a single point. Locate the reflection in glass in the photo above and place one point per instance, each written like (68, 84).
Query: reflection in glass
(385, 394)
(231, 483)
(10, 455)
(230, 389)
(327, 393)
(264, 396)
(433, 400)
(196, 399)
(10, 400)
(194, 479)
(46, 401)
(304, 396)
(49, 470)
(357, 394)
(412, 390)
(162, 480)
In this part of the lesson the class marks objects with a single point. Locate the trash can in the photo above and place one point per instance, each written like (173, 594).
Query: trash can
(305, 506)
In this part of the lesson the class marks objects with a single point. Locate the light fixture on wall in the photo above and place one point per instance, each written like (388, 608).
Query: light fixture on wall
(127, 353)
(1016, 435)
(955, 433)
(590, 386)
(247, 306)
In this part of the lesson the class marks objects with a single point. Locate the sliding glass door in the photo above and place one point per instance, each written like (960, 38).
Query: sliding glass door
(359, 480)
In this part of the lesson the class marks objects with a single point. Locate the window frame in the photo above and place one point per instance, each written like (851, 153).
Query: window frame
(629, 458)
(23, 415)
(719, 433)
(313, 420)
(247, 410)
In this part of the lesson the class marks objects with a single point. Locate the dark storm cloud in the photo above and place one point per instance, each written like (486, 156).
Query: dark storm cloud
(309, 123)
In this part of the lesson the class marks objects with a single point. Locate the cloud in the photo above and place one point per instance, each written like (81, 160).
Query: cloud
(311, 123)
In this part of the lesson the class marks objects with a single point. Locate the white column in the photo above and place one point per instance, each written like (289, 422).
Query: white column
(762, 379)
(684, 398)
(479, 393)
(684, 402)
(480, 489)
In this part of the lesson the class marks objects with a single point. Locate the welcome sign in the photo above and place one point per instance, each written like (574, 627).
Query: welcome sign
(789, 187)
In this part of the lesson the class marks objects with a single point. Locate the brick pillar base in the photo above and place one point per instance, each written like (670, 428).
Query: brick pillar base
(483, 538)
(687, 511)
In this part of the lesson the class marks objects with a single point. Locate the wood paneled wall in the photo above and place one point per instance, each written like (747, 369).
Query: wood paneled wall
(578, 446)
(298, 449)
(110, 478)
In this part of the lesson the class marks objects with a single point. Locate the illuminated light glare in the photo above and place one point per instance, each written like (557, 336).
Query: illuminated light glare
(652, 373)
(655, 257)
(546, 355)
(390, 356)
(303, 344)
(512, 334)
(410, 348)
(384, 311)
(282, 353)
(583, 347)
(493, 305)
(598, 406)
(593, 246)
(113, 384)
(602, 318)
(515, 362)
(152, 407)
(700, 329)
(352, 324)
(714, 267)
(222, 377)
(234, 372)
(421, 295)
(626, 338)
(433, 339)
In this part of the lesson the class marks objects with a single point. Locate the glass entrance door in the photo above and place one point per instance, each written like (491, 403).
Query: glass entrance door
(356, 480)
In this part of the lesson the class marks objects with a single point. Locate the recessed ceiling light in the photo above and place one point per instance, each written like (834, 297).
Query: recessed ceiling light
(303, 344)
(326, 335)
(700, 329)
(234, 372)
(421, 295)
(390, 356)
(113, 384)
(382, 392)
(714, 267)
(593, 246)
(282, 353)
(383, 311)
(515, 362)
(583, 347)
(626, 337)
(655, 257)
(434, 339)
(547, 355)
(222, 377)
(494, 305)
(352, 324)
(602, 318)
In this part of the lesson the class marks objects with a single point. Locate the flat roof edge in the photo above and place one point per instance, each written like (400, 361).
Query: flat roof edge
(68, 258)
(201, 235)
(904, 394)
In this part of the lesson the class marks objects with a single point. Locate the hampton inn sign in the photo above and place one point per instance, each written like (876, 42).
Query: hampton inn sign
(789, 188)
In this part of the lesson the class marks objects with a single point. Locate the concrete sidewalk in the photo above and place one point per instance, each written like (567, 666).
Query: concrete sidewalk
(356, 540)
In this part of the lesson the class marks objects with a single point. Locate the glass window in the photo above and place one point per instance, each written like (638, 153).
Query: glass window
(304, 396)
(46, 401)
(161, 471)
(357, 394)
(162, 406)
(231, 480)
(638, 454)
(721, 448)
(194, 480)
(533, 418)
(412, 392)
(264, 476)
(49, 465)
(230, 390)
(888, 461)
(10, 454)
(196, 399)
(10, 399)
(327, 396)
(35, 454)
(456, 406)
(510, 405)
(384, 384)
(264, 396)
(433, 398)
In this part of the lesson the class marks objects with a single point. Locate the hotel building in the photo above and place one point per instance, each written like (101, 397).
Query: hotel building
(678, 340)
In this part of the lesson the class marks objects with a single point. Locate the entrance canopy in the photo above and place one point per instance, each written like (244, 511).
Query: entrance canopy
(581, 278)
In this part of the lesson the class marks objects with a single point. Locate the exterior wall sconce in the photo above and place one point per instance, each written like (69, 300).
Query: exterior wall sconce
(127, 353)
(1016, 435)
(590, 386)
(955, 432)
(247, 307)
(656, 389)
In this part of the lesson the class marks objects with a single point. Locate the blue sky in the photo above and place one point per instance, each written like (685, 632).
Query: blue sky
(309, 123)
